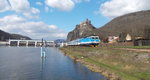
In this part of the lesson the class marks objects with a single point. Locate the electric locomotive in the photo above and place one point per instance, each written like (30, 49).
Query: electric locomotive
(87, 41)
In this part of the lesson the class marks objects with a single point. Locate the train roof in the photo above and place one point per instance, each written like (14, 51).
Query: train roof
(85, 37)
(93, 36)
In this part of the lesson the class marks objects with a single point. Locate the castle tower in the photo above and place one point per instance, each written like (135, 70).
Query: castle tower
(88, 21)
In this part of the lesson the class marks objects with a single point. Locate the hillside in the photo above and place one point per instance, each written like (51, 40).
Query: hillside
(136, 24)
(5, 36)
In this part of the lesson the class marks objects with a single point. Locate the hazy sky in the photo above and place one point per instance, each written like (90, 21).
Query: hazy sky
(53, 19)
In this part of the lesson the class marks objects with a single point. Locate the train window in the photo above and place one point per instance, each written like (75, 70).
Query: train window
(96, 38)
(93, 38)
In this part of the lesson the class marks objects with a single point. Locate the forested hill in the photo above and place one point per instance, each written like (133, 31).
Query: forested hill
(136, 24)
(5, 36)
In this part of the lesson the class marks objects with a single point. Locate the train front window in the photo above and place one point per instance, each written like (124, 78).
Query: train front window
(96, 38)
(93, 38)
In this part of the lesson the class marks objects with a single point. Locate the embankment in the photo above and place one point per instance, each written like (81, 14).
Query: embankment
(116, 64)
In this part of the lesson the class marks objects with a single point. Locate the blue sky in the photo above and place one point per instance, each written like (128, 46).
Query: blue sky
(68, 19)
(53, 19)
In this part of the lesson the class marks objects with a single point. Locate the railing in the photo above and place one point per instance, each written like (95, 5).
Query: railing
(30, 43)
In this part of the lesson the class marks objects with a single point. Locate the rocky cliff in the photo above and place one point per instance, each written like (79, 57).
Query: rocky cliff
(82, 30)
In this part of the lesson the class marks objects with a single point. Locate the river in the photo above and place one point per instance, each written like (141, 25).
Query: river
(25, 63)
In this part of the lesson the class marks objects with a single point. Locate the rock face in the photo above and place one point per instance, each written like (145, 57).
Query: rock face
(82, 30)
(136, 24)
(5, 36)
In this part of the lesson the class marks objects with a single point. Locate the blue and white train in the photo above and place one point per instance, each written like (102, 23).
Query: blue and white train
(87, 41)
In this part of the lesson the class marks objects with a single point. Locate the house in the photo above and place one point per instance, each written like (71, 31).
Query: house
(124, 37)
(142, 42)
(128, 37)
(113, 39)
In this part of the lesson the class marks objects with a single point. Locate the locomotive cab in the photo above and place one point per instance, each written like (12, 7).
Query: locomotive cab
(94, 41)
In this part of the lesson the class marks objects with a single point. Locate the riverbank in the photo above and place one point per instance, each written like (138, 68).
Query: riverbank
(116, 64)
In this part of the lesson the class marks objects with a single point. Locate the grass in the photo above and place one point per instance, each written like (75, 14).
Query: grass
(113, 69)
(129, 65)
(134, 47)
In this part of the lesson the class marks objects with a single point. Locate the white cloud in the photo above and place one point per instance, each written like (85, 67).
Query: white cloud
(114, 8)
(64, 5)
(35, 11)
(52, 27)
(35, 30)
(12, 19)
(79, 1)
(39, 3)
(32, 13)
(19, 6)
(46, 9)
(23, 6)
(30, 16)
(4, 6)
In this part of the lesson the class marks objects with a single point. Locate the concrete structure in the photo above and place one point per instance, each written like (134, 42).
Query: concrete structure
(3, 43)
(13, 42)
(61, 44)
